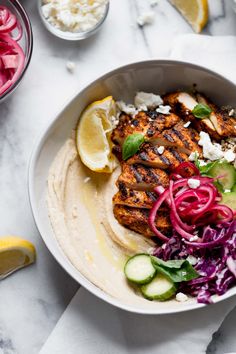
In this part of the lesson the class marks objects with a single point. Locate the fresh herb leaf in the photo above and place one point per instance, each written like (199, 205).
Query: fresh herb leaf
(180, 271)
(201, 111)
(197, 163)
(175, 263)
(206, 169)
(131, 145)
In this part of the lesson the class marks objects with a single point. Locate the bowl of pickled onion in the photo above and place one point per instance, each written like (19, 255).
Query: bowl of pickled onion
(16, 42)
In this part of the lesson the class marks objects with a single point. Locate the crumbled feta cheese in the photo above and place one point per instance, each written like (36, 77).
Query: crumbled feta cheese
(202, 163)
(211, 151)
(181, 297)
(160, 149)
(186, 125)
(163, 109)
(46, 10)
(126, 108)
(150, 100)
(193, 156)
(74, 16)
(142, 107)
(229, 156)
(204, 138)
(153, 3)
(70, 66)
(192, 260)
(193, 183)
(194, 238)
(231, 112)
(227, 191)
(87, 179)
(145, 18)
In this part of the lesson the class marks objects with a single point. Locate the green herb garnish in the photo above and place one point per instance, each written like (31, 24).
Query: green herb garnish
(205, 170)
(176, 263)
(176, 270)
(201, 111)
(131, 145)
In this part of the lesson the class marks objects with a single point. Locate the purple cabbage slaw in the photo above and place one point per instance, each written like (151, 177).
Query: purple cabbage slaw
(215, 262)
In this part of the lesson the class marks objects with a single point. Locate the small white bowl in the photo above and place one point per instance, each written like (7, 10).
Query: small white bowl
(71, 36)
(157, 76)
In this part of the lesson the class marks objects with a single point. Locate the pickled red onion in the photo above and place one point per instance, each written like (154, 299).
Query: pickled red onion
(190, 208)
(12, 58)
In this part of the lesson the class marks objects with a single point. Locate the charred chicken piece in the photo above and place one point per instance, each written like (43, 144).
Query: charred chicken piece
(183, 103)
(133, 198)
(149, 155)
(224, 125)
(137, 220)
(142, 177)
(146, 123)
(185, 140)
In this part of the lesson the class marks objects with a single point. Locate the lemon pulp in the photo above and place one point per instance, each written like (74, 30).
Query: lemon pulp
(93, 136)
(15, 253)
(194, 11)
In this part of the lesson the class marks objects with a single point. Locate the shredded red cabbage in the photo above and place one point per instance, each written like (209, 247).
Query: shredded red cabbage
(203, 229)
(12, 57)
(216, 264)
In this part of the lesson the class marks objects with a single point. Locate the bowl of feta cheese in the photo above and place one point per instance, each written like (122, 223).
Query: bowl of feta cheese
(73, 20)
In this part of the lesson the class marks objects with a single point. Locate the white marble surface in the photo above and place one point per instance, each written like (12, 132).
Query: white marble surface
(32, 301)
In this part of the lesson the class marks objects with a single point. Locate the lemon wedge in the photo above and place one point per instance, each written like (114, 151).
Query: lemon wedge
(194, 11)
(93, 136)
(15, 253)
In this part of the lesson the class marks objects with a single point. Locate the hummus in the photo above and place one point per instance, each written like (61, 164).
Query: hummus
(80, 210)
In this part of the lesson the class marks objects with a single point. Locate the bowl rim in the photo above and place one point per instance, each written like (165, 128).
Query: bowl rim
(71, 36)
(79, 278)
(24, 16)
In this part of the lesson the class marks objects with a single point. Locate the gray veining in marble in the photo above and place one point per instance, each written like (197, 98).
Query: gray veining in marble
(32, 300)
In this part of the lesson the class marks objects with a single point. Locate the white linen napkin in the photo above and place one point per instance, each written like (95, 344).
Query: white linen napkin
(217, 53)
(90, 326)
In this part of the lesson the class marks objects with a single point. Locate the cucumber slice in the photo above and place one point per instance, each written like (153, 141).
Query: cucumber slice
(160, 288)
(139, 269)
(229, 199)
(234, 188)
(226, 170)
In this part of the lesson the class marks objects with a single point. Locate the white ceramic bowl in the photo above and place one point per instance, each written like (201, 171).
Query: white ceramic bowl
(157, 76)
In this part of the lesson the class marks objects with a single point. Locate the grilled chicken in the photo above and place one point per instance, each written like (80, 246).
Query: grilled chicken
(134, 199)
(183, 103)
(148, 155)
(146, 123)
(137, 220)
(185, 140)
(140, 177)
(224, 125)
(148, 167)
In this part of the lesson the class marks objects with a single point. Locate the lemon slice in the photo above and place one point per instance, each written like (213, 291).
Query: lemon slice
(93, 136)
(194, 11)
(15, 253)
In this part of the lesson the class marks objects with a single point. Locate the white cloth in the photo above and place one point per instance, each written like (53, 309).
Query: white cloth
(216, 53)
(90, 326)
